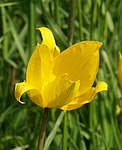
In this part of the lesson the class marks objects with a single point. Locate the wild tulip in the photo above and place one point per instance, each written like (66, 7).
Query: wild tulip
(62, 80)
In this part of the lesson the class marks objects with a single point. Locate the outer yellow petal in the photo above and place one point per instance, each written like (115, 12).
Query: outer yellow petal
(20, 89)
(40, 67)
(86, 97)
(59, 92)
(48, 39)
(33, 93)
(120, 71)
(80, 62)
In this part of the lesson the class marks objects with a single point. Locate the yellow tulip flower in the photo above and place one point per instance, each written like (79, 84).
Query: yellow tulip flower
(61, 80)
(120, 71)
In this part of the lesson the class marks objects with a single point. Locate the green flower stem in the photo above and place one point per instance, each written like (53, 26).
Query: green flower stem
(43, 130)
(32, 26)
(80, 17)
(71, 21)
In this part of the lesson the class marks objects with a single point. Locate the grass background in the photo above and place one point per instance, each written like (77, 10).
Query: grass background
(95, 126)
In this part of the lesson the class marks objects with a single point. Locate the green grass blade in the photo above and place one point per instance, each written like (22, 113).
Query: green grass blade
(65, 132)
(52, 134)
(8, 4)
(17, 40)
(5, 30)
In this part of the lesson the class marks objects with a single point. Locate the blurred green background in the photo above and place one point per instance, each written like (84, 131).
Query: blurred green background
(95, 126)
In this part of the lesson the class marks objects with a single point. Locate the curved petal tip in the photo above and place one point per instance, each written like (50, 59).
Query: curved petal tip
(101, 86)
(49, 40)
(20, 89)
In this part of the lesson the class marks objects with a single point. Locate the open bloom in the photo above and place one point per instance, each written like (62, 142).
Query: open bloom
(61, 80)
(120, 71)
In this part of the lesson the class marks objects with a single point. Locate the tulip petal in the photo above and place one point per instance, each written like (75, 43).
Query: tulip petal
(40, 67)
(86, 97)
(48, 39)
(34, 95)
(80, 62)
(59, 92)
(20, 89)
